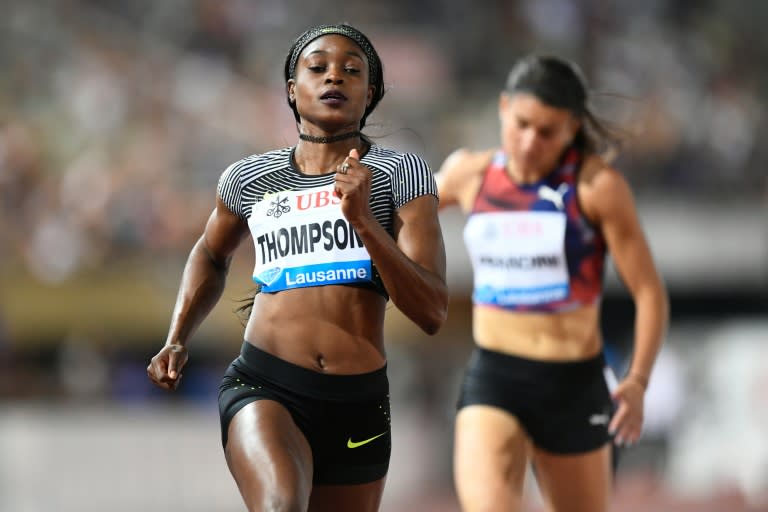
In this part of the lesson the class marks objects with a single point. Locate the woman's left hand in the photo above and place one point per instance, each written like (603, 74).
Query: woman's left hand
(353, 186)
(627, 423)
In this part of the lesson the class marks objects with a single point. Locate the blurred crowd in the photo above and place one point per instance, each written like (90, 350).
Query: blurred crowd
(117, 117)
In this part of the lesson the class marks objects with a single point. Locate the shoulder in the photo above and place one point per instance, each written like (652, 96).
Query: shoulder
(602, 188)
(461, 175)
(466, 162)
(598, 175)
(391, 160)
(239, 183)
(258, 162)
(407, 175)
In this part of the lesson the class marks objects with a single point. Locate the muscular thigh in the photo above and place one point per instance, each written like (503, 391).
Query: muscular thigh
(491, 453)
(267, 453)
(575, 482)
(272, 461)
(347, 498)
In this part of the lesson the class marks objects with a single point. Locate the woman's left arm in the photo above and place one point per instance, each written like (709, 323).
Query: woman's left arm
(412, 266)
(613, 206)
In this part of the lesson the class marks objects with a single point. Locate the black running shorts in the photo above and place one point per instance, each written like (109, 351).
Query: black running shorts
(565, 407)
(345, 418)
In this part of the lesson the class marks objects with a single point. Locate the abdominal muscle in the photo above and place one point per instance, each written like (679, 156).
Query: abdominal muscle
(566, 336)
(330, 329)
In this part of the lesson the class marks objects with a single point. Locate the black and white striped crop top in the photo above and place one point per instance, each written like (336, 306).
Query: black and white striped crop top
(244, 186)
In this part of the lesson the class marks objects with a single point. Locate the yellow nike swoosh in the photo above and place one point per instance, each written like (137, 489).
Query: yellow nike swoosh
(353, 444)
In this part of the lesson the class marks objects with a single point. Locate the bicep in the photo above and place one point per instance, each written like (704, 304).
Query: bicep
(624, 236)
(460, 177)
(418, 234)
(451, 177)
(224, 232)
(445, 189)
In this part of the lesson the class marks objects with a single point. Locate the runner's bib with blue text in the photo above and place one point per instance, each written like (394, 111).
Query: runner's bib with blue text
(303, 239)
(518, 257)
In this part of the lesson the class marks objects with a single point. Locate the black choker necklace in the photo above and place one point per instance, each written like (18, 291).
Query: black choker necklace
(328, 140)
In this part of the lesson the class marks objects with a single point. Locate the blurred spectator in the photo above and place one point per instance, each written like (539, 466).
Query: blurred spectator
(115, 121)
(116, 118)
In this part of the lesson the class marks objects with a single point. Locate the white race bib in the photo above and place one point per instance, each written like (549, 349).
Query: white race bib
(302, 239)
(518, 257)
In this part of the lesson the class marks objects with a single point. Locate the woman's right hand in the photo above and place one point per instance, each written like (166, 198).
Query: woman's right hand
(164, 369)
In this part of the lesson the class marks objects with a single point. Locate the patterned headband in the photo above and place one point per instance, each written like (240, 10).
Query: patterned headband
(343, 30)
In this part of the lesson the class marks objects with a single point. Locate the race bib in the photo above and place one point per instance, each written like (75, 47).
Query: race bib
(518, 258)
(302, 239)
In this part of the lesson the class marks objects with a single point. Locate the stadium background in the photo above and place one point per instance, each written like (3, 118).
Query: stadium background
(116, 118)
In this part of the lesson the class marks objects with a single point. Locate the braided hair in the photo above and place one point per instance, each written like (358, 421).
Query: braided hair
(375, 69)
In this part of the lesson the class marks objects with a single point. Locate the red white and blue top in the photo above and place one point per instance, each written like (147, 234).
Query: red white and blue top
(530, 245)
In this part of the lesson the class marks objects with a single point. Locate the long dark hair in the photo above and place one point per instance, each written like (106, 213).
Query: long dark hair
(561, 84)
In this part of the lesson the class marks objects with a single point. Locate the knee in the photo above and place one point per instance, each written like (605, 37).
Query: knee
(489, 495)
(278, 501)
(491, 502)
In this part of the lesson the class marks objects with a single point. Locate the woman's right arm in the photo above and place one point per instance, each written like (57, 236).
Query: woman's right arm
(458, 178)
(202, 284)
(448, 178)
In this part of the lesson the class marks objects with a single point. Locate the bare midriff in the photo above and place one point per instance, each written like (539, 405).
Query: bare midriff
(566, 336)
(329, 329)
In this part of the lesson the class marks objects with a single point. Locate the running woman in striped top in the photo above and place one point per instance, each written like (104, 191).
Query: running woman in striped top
(340, 226)
(543, 210)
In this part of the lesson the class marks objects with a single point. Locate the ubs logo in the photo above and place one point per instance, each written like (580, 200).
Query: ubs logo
(278, 207)
(317, 199)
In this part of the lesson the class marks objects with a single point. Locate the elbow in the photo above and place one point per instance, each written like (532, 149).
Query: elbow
(433, 326)
(436, 316)
(428, 310)
(660, 296)
(665, 308)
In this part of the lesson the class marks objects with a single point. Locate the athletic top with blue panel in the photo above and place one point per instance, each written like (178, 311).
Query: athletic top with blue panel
(300, 234)
(531, 247)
